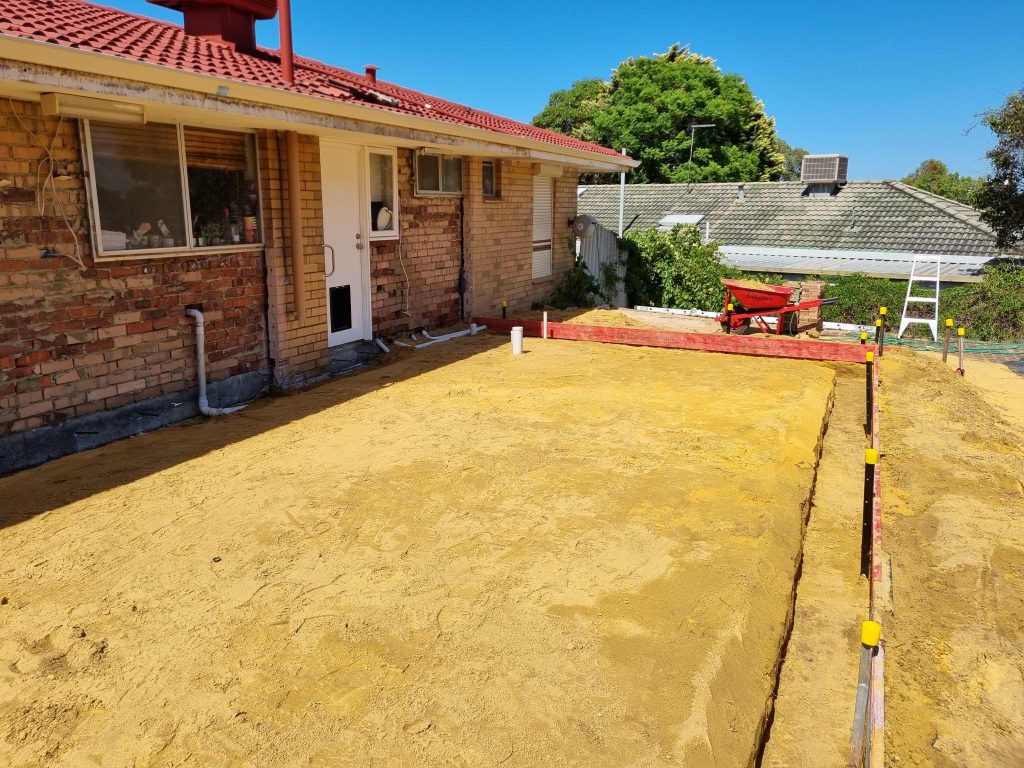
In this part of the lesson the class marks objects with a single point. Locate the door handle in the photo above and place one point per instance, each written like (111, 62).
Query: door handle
(331, 249)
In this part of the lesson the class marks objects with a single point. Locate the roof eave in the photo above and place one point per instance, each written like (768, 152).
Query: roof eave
(104, 65)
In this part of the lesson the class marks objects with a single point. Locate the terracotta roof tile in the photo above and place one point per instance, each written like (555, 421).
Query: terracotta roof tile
(89, 27)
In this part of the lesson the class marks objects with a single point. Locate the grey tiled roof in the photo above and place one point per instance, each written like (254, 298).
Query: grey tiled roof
(887, 215)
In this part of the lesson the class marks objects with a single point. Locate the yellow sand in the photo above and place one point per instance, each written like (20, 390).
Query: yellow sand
(581, 556)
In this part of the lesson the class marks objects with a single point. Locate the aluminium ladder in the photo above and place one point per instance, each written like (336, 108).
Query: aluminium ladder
(925, 263)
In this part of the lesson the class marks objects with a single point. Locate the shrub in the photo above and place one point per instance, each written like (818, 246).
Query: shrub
(578, 288)
(860, 296)
(992, 310)
(674, 269)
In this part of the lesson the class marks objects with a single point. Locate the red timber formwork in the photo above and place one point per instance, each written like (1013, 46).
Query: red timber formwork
(879, 598)
(759, 346)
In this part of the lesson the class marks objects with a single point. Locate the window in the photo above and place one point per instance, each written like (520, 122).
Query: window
(383, 199)
(491, 178)
(543, 196)
(438, 174)
(162, 187)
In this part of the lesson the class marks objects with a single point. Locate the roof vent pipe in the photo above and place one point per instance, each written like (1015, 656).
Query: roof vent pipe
(741, 192)
(371, 72)
(287, 57)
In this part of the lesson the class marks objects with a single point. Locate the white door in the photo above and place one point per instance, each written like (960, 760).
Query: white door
(347, 268)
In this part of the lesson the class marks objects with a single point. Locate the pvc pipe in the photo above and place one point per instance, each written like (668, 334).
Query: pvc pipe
(445, 337)
(204, 404)
(381, 345)
(544, 326)
(517, 340)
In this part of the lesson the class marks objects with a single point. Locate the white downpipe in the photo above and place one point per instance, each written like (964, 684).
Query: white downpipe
(204, 404)
(622, 197)
(381, 345)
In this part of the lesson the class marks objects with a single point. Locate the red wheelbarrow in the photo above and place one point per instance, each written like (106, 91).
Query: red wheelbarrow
(753, 301)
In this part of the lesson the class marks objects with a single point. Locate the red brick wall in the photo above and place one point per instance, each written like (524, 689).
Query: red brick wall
(430, 245)
(297, 346)
(76, 341)
(500, 237)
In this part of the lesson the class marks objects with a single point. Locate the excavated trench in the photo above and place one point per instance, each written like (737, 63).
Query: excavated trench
(765, 733)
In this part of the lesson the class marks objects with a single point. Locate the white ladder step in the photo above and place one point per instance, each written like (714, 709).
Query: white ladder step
(923, 263)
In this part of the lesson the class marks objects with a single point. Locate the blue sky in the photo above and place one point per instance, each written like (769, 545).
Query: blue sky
(888, 83)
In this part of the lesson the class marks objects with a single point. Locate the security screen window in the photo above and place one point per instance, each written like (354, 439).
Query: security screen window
(222, 186)
(137, 173)
(489, 170)
(438, 175)
(382, 193)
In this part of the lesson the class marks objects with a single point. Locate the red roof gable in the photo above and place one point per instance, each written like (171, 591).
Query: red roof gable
(89, 27)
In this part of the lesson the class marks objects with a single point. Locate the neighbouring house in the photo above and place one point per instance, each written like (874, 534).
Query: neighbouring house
(146, 168)
(821, 225)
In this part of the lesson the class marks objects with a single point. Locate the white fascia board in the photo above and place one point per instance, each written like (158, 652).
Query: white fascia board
(79, 62)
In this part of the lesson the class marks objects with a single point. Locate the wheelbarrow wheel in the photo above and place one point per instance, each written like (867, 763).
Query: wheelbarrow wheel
(744, 327)
(790, 323)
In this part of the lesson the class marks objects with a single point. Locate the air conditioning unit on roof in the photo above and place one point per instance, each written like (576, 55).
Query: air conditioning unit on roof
(824, 169)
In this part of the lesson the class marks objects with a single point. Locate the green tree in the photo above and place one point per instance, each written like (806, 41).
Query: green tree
(933, 176)
(674, 269)
(1001, 198)
(649, 106)
(792, 159)
(571, 112)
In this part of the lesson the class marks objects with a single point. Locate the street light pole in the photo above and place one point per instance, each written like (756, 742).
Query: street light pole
(693, 136)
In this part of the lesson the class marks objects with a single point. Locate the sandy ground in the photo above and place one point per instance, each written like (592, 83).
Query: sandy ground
(952, 489)
(581, 556)
(818, 684)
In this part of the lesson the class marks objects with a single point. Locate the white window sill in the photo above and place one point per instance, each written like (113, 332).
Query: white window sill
(177, 252)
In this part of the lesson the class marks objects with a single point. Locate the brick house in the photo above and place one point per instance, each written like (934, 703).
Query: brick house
(146, 168)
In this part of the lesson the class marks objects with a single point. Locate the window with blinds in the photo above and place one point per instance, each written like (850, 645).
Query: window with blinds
(543, 197)
(168, 187)
(137, 176)
(222, 186)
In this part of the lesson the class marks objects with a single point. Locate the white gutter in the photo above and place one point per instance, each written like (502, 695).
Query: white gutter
(108, 67)
(204, 404)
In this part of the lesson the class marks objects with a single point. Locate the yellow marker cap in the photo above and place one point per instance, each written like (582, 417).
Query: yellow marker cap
(949, 322)
(870, 633)
(959, 331)
(871, 456)
(504, 303)
(869, 356)
(863, 334)
(728, 307)
(878, 323)
(882, 310)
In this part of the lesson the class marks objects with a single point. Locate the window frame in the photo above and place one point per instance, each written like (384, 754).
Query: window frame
(394, 232)
(85, 142)
(495, 165)
(440, 192)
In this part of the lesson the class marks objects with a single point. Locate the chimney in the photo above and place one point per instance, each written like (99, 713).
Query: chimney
(226, 21)
(371, 72)
(741, 192)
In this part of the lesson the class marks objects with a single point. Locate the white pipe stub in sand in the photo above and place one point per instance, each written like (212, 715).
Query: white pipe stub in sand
(517, 340)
